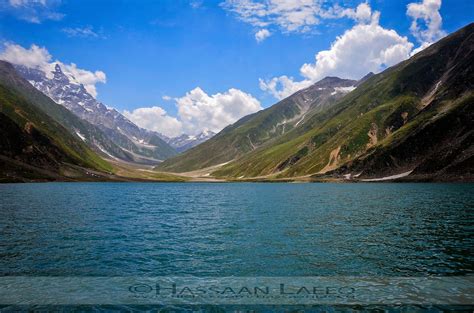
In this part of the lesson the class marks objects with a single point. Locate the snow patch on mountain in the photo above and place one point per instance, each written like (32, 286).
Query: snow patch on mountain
(186, 142)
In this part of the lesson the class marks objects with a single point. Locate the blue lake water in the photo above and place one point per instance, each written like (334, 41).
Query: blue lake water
(243, 229)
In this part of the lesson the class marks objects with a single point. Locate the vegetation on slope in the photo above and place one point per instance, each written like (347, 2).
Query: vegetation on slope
(255, 130)
(382, 112)
(32, 137)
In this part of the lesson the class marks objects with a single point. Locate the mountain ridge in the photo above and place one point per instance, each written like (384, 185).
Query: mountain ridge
(137, 144)
(261, 127)
(35, 146)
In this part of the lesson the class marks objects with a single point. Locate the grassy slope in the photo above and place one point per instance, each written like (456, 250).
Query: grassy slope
(93, 135)
(255, 130)
(230, 143)
(378, 105)
(37, 129)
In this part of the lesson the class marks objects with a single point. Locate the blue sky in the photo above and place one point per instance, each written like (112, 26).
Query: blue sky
(151, 49)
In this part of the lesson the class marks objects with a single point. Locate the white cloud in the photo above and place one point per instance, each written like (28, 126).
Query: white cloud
(293, 16)
(198, 111)
(156, 119)
(262, 34)
(289, 15)
(283, 86)
(19, 3)
(35, 57)
(361, 49)
(39, 58)
(362, 14)
(167, 98)
(87, 78)
(427, 22)
(83, 32)
(34, 11)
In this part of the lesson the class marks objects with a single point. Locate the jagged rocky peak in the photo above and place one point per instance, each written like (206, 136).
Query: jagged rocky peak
(64, 89)
(59, 76)
(57, 69)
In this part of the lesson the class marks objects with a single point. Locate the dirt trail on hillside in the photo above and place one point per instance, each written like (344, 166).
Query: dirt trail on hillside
(333, 161)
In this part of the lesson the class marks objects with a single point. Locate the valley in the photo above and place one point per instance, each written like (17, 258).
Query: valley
(412, 122)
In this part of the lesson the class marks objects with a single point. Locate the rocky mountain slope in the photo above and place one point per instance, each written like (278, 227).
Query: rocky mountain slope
(33, 145)
(136, 144)
(253, 131)
(413, 121)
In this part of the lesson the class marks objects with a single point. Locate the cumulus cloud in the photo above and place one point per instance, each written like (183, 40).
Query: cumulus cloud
(262, 34)
(362, 13)
(199, 111)
(427, 21)
(359, 50)
(366, 47)
(34, 11)
(39, 58)
(35, 57)
(156, 119)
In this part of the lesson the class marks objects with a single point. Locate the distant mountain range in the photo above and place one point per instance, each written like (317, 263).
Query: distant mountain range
(186, 142)
(414, 120)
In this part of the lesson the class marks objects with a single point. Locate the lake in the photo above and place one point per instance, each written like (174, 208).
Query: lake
(236, 229)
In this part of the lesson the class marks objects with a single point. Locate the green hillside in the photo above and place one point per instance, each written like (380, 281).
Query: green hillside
(415, 117)
(33, 144)
(258, 129)
(395, 121)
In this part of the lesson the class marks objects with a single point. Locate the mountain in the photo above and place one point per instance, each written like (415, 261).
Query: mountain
(33, 145)
(136, 144)
(414, 121)
(255, 130)
(186, 142)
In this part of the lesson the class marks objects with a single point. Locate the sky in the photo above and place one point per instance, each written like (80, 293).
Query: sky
(179, 66)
